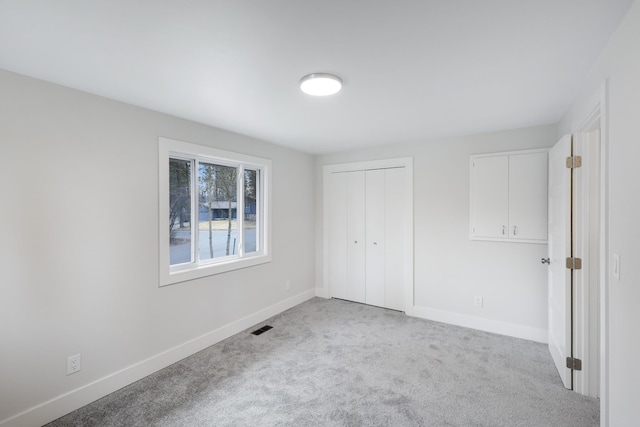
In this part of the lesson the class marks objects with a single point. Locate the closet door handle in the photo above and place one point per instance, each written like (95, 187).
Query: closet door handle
(504, 229)
(515, 230)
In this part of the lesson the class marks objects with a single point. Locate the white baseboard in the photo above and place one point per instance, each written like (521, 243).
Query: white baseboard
(482, 324)
(65, 403)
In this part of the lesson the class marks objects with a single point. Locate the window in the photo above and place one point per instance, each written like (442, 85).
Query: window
(213, 211)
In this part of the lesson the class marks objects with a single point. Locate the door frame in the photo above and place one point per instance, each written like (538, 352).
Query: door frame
(587, 246)
(407, 211)
(595, 116)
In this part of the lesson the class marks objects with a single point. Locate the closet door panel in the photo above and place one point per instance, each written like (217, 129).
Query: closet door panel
(375, 222)
(356, 244)
(338, 235)
(394, 227)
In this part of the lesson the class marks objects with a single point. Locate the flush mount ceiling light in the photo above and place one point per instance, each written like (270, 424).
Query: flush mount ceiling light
(320, 84)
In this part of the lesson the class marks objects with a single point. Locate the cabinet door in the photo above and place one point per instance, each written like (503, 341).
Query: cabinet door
(375, 230)
(490, 197)
(528, 196)
(356, 244)
(337, 202)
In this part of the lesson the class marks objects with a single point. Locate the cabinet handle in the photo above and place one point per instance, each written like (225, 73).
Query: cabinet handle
(515, 230)
(504, 229)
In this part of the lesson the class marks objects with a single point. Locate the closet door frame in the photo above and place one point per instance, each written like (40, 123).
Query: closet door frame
(406, 211)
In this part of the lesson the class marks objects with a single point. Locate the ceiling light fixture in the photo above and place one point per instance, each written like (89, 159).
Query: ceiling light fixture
(320, 84)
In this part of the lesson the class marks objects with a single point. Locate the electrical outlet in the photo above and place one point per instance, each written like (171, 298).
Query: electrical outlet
(477, 301)
(287, 285)
(74, 364)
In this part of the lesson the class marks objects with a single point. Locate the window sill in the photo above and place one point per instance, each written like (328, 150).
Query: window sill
(170, 278)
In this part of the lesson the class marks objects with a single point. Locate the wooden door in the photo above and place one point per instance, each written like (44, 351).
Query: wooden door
(559, 247)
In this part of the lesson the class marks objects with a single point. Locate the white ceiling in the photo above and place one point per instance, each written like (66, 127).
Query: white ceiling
(412, 70)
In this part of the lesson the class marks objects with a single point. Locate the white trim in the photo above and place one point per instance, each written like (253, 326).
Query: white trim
(175, 274)
(369, 165)
(586, 246)
(74, 399)
(401, 162)
(604, 254)
(482, 324)
(512, 153)
(409, 290)
(505, 239)
(596, 109)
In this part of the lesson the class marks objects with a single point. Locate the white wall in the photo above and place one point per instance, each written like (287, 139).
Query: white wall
(79, 248)
(619, 64)
(450, 269)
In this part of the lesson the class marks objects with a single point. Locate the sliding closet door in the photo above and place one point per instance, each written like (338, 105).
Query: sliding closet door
(367, 231)
(385, 257)
(356, 244)
(375, 237)
(338, 243)
(395, 231)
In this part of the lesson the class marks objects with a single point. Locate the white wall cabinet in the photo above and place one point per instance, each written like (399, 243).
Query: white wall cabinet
(367, 236)
(509, 196)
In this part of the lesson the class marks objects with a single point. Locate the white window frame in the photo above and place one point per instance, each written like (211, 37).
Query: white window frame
(171, 148)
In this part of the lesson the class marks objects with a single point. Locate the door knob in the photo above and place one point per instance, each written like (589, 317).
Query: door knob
(545, 261)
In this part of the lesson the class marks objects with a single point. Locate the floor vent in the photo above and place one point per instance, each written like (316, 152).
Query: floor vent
(262, 330)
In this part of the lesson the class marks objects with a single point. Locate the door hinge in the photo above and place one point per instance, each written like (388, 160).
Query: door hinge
(574, 162)
(574, 263)
(574, 364)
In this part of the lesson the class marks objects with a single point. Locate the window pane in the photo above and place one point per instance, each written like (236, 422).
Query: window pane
(218, 234)
(179, 211)
(250, 230)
